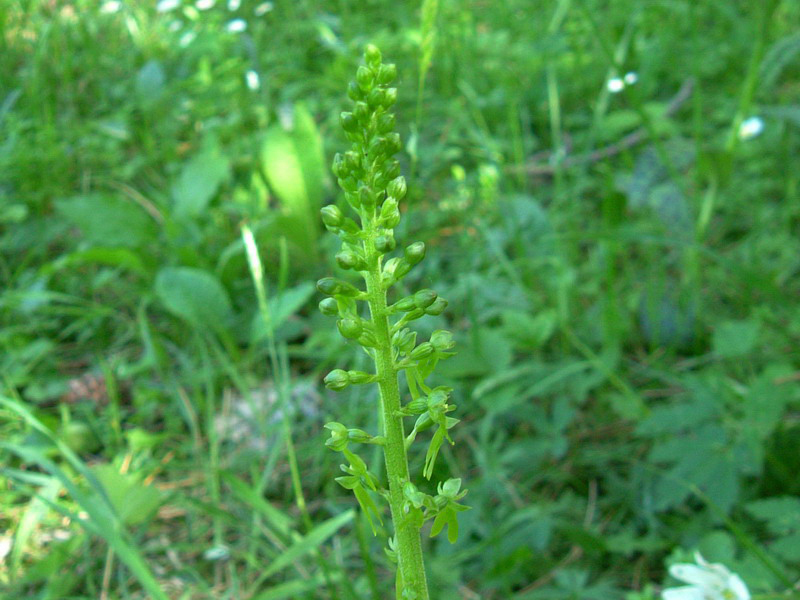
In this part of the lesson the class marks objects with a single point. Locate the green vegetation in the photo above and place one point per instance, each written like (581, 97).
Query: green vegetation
(608, 196)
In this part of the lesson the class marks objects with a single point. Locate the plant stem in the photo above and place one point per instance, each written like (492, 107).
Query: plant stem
(411, 568)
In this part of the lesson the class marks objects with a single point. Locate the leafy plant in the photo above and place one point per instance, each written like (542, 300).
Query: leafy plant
(373, 188)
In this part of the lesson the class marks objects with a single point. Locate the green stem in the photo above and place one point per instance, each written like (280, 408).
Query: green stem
(407, 536)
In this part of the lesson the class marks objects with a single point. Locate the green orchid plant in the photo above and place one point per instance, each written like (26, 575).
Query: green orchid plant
(373, 187)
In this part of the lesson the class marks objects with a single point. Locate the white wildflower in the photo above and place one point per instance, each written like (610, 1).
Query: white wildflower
(263, 9)
(751, 128)
(706, 581)
(252, 79)
(167, 5)
(630, 78)
(236, 25)
(111, 6)
(234, 4)
(615, 85)
(186, 39)
(204, 4)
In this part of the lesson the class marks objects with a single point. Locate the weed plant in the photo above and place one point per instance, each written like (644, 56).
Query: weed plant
(607, 195)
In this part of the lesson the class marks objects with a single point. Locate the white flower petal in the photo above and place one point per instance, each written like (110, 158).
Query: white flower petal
(699, 576)
(236, 25)
(688, 592)
(737, 586)
(615, 85)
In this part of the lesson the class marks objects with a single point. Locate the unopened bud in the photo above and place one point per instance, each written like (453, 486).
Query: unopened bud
(372, 56)
(390, 213)
(329, 307)
(331, 216)
(397, 188)
(337, 380)
(437, 307)
(365, 78)
(384, 243)
(347, 259)
(424, 298)
(386, 123)
(415, 252)
(422, 351)
(386, 74)
(390, 97)
(348, 121)
(350, 328)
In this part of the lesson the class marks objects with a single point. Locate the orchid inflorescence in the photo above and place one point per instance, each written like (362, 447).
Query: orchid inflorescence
(373, 187)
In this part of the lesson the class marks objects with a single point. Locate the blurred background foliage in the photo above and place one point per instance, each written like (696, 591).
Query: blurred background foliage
(609, 193)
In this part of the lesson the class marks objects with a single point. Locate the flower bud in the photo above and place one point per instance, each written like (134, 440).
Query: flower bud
(384, 243)
(386, 123)
(372, 56)
(442, 340)
(376, 148)
(390, 214)
(404, 340)
(329, 307)
(332, 216)
(386, 74)
(390, 97)
(414, 314)
(422, 351)
(339, 168)
(367, 339)
(347, 259)
(418, 406)
(415, 252)
(359, 377)
(337, 380)
(406, 304)
(392, 170)
(339, 436)
(354, 92)
(361, 111)
(424, 298)
(330, 286)
(397, 188)
(350, 328)
(381, 179)
(352, 160)
(376, 97)
(365, 78)
(348, 184)
(393, 143)
(359, 436)
(348, 121)
(437, 307)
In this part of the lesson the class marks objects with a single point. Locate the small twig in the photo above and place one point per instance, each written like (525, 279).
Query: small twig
(541, 165)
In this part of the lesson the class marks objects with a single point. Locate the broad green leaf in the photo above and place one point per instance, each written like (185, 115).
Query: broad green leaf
(133, 501)
(108, 220)
(735, 338)
(294, 166)
(123, 258)
(150, 80)
(194, 295)
(199, 180)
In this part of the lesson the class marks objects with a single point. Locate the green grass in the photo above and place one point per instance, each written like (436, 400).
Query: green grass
(627, 325)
